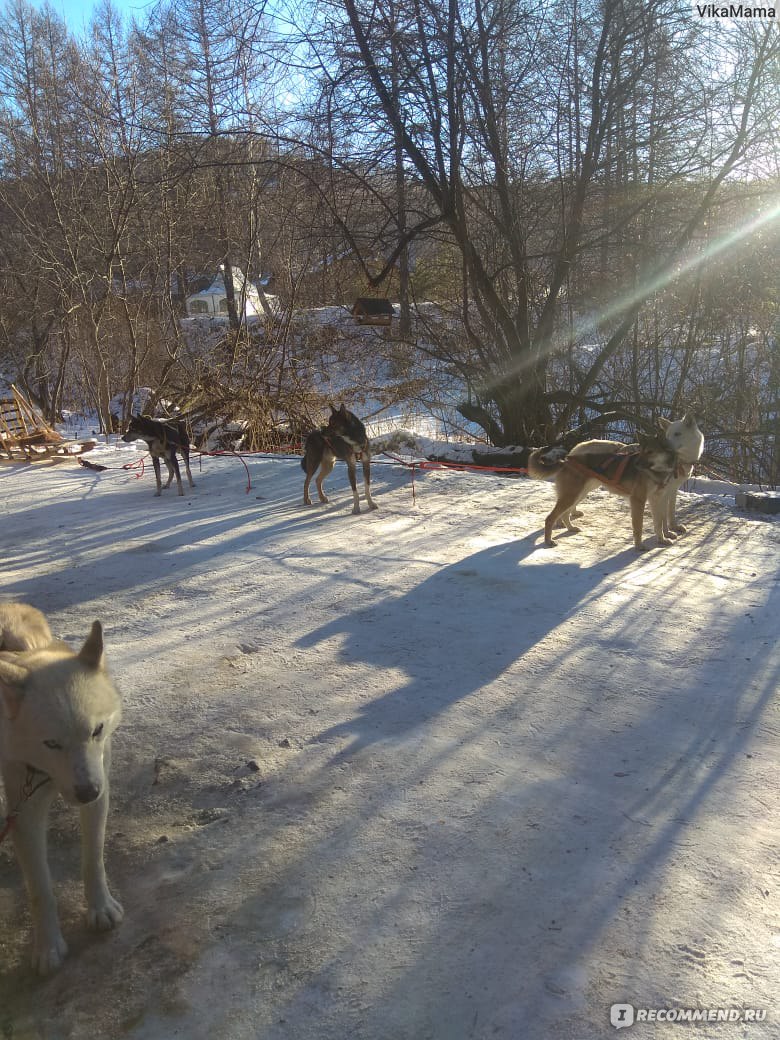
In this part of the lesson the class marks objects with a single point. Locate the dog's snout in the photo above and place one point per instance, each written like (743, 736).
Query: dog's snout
(86, 793)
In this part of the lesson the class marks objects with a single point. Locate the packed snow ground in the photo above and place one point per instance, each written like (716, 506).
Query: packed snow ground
(408, 774)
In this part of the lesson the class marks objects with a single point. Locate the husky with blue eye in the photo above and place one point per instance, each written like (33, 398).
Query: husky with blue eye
(343, 437)
(58, 710)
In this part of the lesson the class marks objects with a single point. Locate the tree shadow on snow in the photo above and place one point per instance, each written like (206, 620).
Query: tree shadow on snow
(456, 631)
(613, 817)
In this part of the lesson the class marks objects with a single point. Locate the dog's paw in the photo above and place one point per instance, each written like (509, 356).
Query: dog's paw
(665, 541)
(373, 505)
(356, 511)
(679, 528)
(48, 955)
(104, 915)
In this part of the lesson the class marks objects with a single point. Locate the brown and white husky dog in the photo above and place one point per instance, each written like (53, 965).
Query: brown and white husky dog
(641, 474)
(682, 437)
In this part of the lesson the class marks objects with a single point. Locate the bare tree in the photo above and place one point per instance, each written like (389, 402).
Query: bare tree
(39, 137)
(519, 125)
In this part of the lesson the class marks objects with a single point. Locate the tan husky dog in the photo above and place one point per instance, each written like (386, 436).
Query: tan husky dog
(58, 710)
(641, 474)
(685, 438)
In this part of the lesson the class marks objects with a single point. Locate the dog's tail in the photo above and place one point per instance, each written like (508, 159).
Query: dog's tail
(545, 463)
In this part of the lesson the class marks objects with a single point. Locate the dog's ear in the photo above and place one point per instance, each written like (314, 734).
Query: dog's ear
(12, 678)
(91, 653)
(663, 424)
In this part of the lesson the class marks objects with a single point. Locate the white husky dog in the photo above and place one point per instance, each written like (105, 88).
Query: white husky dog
(685, 439)
(58, 710)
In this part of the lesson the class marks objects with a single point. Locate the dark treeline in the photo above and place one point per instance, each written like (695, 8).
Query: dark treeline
(587, 192)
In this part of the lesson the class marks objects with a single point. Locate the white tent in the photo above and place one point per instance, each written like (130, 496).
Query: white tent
(213, 300)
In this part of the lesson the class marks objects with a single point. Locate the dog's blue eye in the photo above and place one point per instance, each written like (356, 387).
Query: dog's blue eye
(98, 731)
(54, 745)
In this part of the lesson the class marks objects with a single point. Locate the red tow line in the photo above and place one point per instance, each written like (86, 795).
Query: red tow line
(433, 464)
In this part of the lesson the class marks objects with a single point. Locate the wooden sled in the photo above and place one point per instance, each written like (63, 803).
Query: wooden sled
(25, 436)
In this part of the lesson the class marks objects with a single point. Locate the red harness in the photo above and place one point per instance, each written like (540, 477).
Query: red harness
(611, 468)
